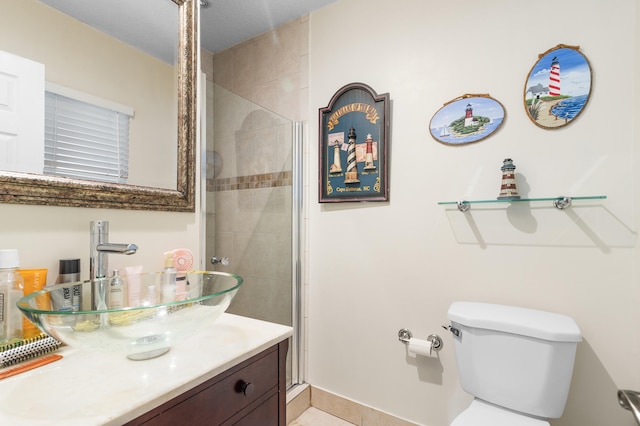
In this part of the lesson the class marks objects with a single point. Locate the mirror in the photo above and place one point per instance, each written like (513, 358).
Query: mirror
(28, 188)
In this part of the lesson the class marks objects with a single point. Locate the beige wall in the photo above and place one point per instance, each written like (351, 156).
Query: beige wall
(44, 234)
(375, 268)
(78, 57)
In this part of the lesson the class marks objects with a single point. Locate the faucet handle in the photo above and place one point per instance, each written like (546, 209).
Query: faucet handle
(224, 261)
(117, 248)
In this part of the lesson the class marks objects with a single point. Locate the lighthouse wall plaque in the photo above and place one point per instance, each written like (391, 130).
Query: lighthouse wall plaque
(354, 146)
(466, 119)
(557, 87)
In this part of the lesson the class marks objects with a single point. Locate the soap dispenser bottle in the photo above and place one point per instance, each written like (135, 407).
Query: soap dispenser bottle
(11, 290)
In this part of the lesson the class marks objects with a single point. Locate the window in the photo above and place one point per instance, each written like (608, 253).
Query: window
(85, 137)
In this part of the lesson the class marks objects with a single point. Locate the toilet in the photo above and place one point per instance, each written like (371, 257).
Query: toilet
(516, 362)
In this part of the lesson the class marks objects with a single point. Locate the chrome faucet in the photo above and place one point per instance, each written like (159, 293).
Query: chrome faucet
(100, 247)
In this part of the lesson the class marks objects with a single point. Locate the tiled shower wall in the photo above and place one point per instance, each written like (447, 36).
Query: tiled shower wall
(260, 88)
(270, 70)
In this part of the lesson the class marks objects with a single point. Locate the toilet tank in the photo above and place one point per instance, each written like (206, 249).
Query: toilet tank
(517, 358)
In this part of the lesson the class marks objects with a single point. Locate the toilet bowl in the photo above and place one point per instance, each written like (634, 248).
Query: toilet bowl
(516, 362)
(481, 413)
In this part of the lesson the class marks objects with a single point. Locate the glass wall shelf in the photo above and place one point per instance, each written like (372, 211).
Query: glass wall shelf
(558, 202)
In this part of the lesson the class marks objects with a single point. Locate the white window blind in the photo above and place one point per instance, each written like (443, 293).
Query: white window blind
(84, 140)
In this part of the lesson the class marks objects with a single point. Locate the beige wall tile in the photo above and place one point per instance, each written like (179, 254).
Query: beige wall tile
(304, 72)
(264, 150)
(223, 68)
(371, 417)
(298, 405)
(284, 148)
(315, 417)
(352, 411)
(243, 67)
(264, 94)
(265, 57)
(303, 104)
(206, 63)
(337, 406)
(269, 69)
(288, 48)
(304, 35)
(288, 96)
(224, 218)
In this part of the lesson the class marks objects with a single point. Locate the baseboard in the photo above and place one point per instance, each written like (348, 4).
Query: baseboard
(298, 401)
(338, 406)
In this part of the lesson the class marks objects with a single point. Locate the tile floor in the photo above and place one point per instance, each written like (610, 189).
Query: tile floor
(314, 417)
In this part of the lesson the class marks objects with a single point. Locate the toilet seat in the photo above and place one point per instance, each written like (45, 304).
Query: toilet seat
(481, 413)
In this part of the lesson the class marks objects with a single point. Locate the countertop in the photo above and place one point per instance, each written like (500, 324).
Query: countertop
(92, 388)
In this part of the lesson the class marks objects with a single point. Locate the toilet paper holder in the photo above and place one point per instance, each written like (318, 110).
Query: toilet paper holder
(404, 335)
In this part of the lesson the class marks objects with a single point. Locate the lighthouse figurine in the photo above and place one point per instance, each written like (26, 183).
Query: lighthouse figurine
(508, 190)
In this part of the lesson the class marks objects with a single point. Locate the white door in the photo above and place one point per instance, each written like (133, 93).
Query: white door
(21, 114)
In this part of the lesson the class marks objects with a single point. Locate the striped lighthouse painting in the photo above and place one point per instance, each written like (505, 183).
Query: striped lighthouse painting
(557, 87)
(554, 77)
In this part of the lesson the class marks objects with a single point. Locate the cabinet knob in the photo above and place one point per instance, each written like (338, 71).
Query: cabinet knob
(245, 388)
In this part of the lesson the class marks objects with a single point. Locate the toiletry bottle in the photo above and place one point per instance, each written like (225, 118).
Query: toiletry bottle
(133, 285)
(168, 283)
(116, 291)
(151, 298)
(34, 280)
(68, 298)
(11, 290)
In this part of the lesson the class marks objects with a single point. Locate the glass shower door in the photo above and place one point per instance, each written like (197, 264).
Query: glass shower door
(251, 228)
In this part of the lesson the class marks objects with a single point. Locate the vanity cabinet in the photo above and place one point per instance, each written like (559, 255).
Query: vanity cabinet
(252, 393)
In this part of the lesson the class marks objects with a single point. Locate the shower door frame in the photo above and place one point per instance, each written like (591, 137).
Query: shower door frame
(297, 233)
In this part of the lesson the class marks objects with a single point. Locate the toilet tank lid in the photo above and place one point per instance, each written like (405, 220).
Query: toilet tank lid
(510, 319)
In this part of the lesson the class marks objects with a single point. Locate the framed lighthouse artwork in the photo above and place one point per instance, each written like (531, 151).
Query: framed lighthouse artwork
(558, 87)
(354, 146)
(466, 119)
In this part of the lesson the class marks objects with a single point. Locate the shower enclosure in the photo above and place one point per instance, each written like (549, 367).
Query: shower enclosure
(252, 205)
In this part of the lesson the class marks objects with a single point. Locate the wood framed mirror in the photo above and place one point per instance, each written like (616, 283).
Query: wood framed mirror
(39, 189)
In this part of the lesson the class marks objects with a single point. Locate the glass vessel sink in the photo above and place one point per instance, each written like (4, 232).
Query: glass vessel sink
(140, 316)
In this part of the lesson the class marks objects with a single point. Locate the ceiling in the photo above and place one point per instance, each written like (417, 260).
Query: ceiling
(152, 25)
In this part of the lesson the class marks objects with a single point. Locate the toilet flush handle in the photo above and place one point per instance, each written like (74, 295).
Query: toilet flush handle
(453, 330)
